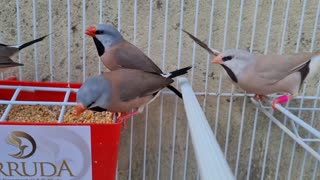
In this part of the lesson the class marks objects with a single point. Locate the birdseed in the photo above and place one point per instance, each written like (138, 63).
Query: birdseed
(50, 114)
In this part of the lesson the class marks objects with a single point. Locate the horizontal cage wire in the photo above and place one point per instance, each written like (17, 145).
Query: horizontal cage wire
(257, 142)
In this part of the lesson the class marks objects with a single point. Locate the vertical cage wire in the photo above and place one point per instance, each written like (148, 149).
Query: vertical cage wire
(257, 110)
(50, 41)
(244, 99)
(147, 107)
(312, 121)
(69, 39)
(131, 124)
(304, 85)
(84, 41)
(270, 122)
(318, 88)
(285, 22)
(18, 35)
(164, 49)
(100, 21)
(34, 18)
(119, 29)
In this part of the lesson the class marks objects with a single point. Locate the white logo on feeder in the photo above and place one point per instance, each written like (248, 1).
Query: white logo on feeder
(14, 139)
(40, 154)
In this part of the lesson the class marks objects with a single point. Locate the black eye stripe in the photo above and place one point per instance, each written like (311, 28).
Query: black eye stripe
(227, 58)
(99, 46)
(99, 32)
(230, 73)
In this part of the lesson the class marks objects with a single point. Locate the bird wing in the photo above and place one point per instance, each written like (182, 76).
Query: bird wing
(132, 83)
(276, 67)
(7, 62)
(7, 51)
(129, 56)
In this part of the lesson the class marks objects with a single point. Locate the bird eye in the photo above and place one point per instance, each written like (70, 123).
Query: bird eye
(99, 32)
(227, 58)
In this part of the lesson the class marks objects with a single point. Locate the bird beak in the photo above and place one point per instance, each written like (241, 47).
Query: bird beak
(91, 31)
(217, 60)
(79, 109)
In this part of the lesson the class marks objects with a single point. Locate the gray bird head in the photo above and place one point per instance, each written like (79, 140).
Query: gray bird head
(104, 36)
(234, 61)
(94, 94)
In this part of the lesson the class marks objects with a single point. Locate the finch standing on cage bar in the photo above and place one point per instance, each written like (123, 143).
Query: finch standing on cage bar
(117, 53)
(266, 74)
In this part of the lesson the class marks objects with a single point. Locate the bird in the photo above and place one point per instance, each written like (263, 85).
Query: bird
(8, 51)
(15, 139)
(265, 74)
(123, 90)
(116, 52)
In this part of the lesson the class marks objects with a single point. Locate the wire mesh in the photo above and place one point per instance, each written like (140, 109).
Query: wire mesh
(158, 142)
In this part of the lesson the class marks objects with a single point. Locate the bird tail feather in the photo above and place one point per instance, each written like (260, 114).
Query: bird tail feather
(175, 91)
(32, 42)
(174, 74)
(202, 44)
(179, 72)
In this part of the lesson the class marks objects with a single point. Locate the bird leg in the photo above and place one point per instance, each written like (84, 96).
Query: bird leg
(281, 100)
(123, 119)
(117, 114)
(112, 115)
(258, 97)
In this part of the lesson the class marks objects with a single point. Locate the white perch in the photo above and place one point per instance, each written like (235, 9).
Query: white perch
(210, 159)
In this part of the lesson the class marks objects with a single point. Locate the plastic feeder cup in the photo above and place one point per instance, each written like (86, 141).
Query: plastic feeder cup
(86, 150)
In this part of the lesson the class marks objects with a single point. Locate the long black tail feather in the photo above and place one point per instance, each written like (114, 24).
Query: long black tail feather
(32, 42)
(200, 43)
(179, 72)
(176, 91)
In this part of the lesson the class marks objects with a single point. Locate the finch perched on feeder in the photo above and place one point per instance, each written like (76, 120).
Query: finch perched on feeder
(123, 90)
(267, 74)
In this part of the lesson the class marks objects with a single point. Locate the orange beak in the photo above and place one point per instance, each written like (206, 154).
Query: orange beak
(79, 109)
(217, 60)
(91, 31)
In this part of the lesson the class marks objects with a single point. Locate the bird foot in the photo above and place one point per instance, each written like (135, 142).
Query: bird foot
(258, 97)
(281, 100)
(123, 119)
(117, 114)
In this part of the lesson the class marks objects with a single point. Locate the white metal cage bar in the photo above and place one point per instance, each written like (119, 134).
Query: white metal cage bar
(210, 159)
(19, 35)
(296, 137)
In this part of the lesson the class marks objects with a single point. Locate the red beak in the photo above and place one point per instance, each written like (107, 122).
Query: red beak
(217, 60)
(91, 31)
(79, 109)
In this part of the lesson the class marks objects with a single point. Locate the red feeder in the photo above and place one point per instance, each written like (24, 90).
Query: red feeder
(105, 138)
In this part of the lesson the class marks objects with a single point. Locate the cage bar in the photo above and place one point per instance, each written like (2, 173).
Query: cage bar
(204, 142)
